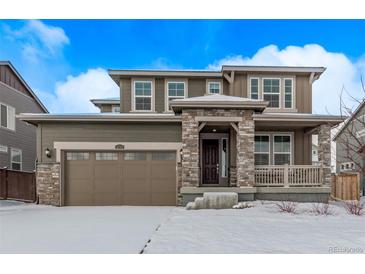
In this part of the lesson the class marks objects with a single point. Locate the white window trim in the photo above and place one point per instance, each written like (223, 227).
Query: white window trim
(11, 158)
(292, 93)
(268, 135)
(280, 90)
(176, 97)
(291, 147)
(249, 87)
(8, 117)
(214, 82)
(152, 96)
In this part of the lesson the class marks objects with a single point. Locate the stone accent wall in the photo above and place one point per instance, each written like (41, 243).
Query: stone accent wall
(232, 176)
(179, 183)
(48, 180)
(324, 151)
(245, 150)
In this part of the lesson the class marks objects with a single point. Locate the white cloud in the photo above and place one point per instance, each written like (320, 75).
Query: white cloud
(38, 39)
(73, 95)
(341, 71)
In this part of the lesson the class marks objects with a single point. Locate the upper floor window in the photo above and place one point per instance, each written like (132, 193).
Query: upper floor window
(214, 87)
(143, 95)
(16, 159)
(271, 92)
(175, 90)
(254, 88)
(7, 116)
(116, 109)
(288, 93)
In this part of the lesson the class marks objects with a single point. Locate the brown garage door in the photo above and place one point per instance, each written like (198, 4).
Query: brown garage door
(120, 178)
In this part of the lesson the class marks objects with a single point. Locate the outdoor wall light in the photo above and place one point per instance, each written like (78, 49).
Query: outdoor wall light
(48, 152)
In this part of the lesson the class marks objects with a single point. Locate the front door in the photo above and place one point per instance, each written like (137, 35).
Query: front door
(210, 161)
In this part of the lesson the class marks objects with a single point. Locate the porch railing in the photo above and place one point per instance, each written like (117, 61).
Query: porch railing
(289, 175)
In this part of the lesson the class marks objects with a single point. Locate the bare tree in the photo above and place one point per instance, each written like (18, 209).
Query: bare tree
(352, 137)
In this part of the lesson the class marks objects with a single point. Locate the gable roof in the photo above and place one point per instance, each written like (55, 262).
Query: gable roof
(13, 69)
(218, 101)
(346, 123)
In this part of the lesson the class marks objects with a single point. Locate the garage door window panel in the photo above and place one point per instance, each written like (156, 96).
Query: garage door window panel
(79, 156)
(163, 156)
(135, 156)
(106, 156)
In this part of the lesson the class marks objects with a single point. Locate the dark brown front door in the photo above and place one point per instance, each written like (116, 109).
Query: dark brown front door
(211, 161)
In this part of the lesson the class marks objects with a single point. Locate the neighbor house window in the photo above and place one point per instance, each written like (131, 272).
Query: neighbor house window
(175, 90)
(7, 116)
(106, 156)
(282, 149)
(214, 87)
(116, 109)
(271, 92)
(16, 159)
(143, 95)
(254, 88)
(262, 150)
(288, 93)
(80, 156)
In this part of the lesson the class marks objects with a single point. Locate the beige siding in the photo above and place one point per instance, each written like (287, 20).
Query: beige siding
(197, 87)
(303, 94)
(160, 95)
(240, 85)
(106, 108)
(106, 132)
(125, 95)
(302, 148)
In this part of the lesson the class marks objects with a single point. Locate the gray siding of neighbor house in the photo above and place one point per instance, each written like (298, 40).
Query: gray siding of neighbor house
(48, 133)
(24, 136)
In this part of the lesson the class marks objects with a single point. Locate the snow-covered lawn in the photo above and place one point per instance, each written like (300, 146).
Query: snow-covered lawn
(261, 229)
(28, 228)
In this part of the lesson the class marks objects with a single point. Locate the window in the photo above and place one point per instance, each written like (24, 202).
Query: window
(116, 109)
(175, 90)
(349, 166)
(80, 156)
(143, 95)
(106, 156)
(163, 156)
(214, 87)
(3, 149)
(134, 156)
(282, 149)
(16, 159)
(262, 150)
(271, 91)
(288, 93)
(254, 88)
(7, 116)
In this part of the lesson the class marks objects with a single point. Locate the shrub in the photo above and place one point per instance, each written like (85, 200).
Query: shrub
(354, 207)
(288, 207)
(322, 209)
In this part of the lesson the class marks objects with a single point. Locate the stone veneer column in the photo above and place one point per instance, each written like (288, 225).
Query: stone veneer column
(48, 180)
(190, 149)
(324, 151)
(245, 150)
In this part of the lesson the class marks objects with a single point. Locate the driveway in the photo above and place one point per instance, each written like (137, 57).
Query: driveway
(29, 228)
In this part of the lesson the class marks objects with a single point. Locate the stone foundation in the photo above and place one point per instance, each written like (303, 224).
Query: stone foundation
(48, 180)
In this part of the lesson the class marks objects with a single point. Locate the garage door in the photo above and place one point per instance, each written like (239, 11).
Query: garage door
(120, 178)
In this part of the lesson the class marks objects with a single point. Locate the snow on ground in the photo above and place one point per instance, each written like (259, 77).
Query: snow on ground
(261, 229)
(29, 228)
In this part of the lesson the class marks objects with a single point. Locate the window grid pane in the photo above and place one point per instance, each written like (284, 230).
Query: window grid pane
(282, 150)
(163, 156)
(79, 156)
(176, 89)
(214, 88)
(106, 156)
(261, 159)
(255, 88)
(262, 143)
(143, 103)
(4, 116)
(272, 92)
(134, 156)
(288, 93)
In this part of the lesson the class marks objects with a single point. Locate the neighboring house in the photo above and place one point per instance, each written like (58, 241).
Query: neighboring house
(350, 142)
(243, 129)
(107, 104)
(314, 153)
(17, 138)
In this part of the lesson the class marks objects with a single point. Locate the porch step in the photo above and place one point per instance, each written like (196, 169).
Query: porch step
(214, 200)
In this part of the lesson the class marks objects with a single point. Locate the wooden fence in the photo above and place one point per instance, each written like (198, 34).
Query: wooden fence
(17, 185)
(346, 186)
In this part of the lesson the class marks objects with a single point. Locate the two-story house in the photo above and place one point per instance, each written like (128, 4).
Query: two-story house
(243, 129)
(17, 138)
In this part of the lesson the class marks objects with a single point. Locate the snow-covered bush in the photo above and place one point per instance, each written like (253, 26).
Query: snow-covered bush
(288, 207)
(242, 205)
(354, 207)
(322, 209)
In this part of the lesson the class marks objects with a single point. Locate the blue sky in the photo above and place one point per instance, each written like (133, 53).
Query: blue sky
(57, 57)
